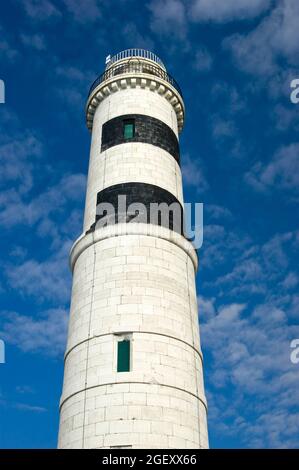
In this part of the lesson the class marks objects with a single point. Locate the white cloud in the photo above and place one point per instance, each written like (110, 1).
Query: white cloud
(31, 408)
(222, 127)
(134, 38)
(43, 280)
(44, 334)
(232, 99)
(73, 86)
(17, 158)
(282, 172)
(222, 11)
(247, 276)
(216, 212)
(206, 307)
(40, 9)
(52, 211)
(221, 246)
(249, 268)
(7, 50)
(172, 16)
(203, 60)
(274, 253)
(276, 36)
(168, 17)
(247, 325)
(251, 356)
(36, 41)
(286, 118)
(16, 210)
(225, 122)
(282, 429)
(48, 212)
(291, 281)
(24, 389)
(22, 406)
(84, 12)
(193, 173)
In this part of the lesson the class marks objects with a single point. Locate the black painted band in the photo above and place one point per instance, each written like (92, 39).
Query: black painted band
(148, 130)
(115, 205)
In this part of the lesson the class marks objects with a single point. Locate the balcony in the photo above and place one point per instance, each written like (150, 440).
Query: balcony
(135, 67)
(129, 53)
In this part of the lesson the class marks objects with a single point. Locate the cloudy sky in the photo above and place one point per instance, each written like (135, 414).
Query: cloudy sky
(234, 61)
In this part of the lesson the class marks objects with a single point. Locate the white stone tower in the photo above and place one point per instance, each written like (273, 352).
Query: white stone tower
(133, 374)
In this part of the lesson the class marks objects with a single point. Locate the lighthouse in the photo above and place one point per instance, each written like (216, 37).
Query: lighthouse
(133, 366)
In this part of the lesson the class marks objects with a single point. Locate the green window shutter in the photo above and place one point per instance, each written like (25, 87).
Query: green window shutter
(123, 356)
(129, 130)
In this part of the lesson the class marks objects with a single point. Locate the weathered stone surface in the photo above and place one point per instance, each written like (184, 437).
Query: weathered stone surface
(136, 283)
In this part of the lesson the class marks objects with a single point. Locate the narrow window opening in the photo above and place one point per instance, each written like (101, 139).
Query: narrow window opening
(129, 128)
(123, 356)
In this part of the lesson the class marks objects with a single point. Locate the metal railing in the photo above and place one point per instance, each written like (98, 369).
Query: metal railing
(135, 53)
(135, 68)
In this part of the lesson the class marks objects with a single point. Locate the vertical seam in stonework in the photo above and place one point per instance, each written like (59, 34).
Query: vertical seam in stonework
(104, 171)
(176, 181)
(87, 352)
(108, 113)
(105, 155)
(192, 330)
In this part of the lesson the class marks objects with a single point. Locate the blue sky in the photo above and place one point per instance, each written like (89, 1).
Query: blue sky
(240, 157)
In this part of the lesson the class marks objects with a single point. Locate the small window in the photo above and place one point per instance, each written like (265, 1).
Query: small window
(123, 356)
(129, 129)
